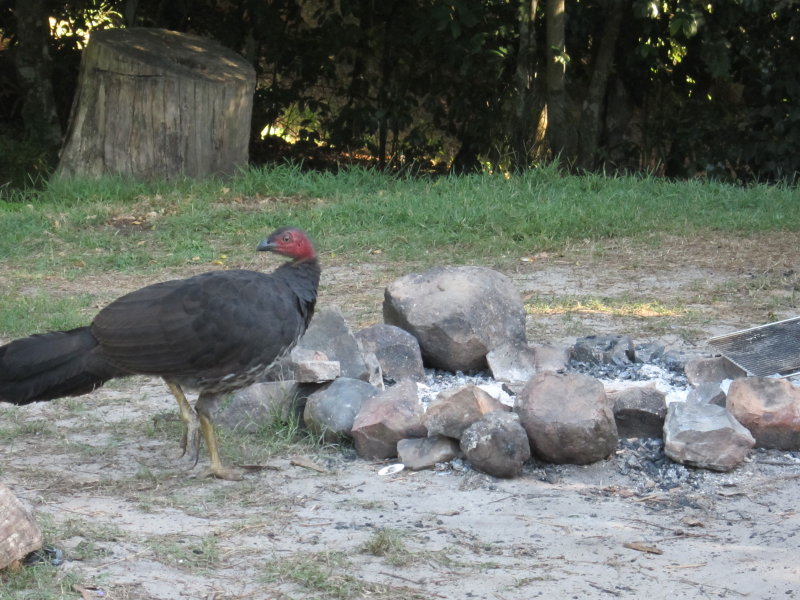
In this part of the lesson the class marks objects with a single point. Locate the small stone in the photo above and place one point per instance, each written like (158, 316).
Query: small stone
(496, 444)
(456, 409)
(604, 350)
(705, 436)
(425, 453)
(316, 371)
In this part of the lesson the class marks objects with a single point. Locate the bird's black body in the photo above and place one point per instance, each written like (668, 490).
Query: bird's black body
(212, 333)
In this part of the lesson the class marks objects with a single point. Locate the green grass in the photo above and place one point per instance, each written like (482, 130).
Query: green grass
(23, 313)
(40, 582)
(388, 543)
(327, 575)
(358, 209)
(74, 228)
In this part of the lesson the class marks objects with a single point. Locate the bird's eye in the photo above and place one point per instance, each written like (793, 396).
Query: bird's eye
(287, 238)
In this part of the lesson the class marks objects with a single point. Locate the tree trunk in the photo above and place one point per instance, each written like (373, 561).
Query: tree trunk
(33, 64)
(158, 104)
(557, 132)
(603, 64)
(523, 122)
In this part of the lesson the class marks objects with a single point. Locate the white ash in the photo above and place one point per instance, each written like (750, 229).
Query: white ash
(439, 381)
(667, 376)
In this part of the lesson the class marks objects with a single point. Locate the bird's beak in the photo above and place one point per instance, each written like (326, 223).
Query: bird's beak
(266, 246)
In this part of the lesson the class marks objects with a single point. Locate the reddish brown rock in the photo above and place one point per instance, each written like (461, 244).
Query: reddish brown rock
(386, 419)
(455, 410)
(567, 417)
(769, 408)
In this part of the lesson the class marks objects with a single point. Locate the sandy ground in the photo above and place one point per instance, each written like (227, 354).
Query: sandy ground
(103, 476)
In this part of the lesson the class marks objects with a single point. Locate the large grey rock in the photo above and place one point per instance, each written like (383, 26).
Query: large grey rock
(604, 349)
(456, 409)
(256, 405)
(384, 420)
(769, 408)
(639, 411)
(711, 370)
(497, 444)
(568, 418)
(328, 335)
(458, 314)
(330, 412)
(397, 351)
(425, 453)
(705, 436)
(512, 362)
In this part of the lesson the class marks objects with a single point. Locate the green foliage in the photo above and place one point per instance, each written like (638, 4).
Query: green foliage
(695, 87)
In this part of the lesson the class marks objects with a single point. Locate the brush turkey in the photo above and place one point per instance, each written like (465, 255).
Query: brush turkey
(212, 333)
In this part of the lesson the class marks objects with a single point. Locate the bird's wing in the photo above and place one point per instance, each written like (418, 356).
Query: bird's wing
(205, 326)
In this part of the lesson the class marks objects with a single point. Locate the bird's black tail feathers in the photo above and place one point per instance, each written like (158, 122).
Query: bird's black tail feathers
(52, 365)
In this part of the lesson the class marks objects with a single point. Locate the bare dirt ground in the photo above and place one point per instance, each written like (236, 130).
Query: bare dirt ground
(103, 474)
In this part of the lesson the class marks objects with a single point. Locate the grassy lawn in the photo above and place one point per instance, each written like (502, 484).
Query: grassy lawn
(75, 229)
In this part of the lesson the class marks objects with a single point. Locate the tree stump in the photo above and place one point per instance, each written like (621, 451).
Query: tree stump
(19, 533)
(157, 104)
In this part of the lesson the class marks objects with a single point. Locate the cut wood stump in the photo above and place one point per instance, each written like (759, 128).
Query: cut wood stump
(158, 104)
(19, 533)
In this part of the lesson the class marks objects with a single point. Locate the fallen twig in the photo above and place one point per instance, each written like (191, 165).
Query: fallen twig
(641, 547)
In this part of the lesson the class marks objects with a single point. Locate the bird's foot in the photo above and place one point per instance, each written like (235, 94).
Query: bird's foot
(226, 473)
(190, 443)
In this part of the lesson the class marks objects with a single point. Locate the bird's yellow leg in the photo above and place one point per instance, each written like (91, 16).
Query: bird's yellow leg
(191, 434)
(217, 470)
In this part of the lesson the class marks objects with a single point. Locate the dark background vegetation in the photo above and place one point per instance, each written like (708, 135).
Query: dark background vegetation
(680, 88)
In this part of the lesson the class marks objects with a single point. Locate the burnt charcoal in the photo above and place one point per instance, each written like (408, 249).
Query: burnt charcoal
(645, 456)
(648, 352)
(664, 368)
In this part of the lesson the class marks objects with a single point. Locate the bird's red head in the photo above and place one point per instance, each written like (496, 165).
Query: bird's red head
(289, 241)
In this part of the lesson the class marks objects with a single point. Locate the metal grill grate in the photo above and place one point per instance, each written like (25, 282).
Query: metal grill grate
(766, 350)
